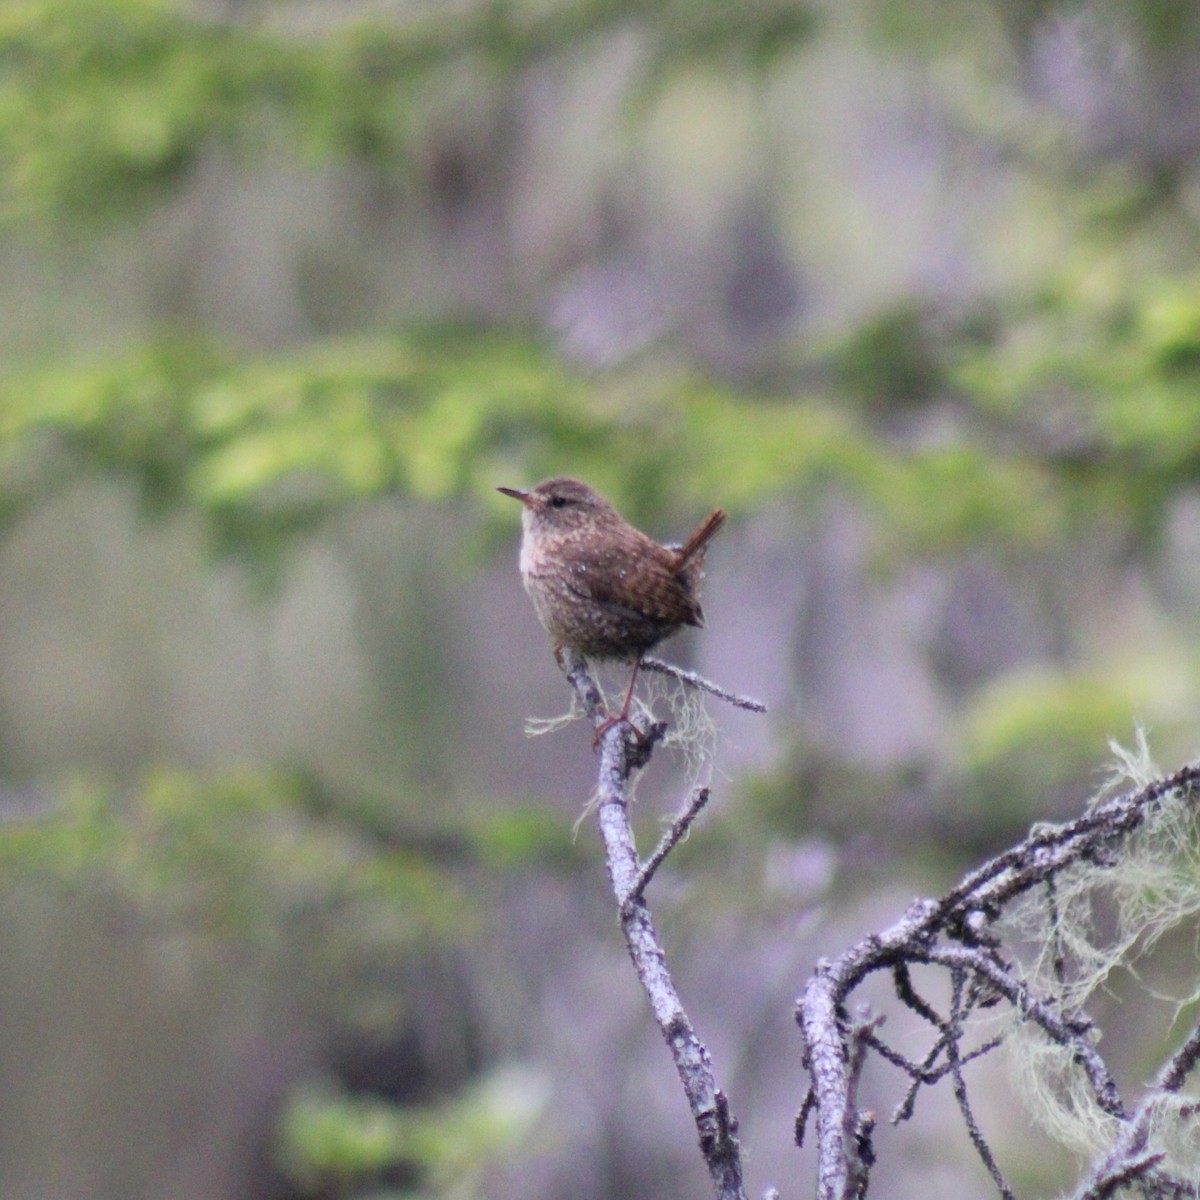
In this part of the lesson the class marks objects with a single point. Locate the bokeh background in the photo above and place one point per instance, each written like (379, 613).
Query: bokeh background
(292, 909)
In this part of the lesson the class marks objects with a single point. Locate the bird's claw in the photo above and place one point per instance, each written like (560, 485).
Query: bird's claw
(619, 719)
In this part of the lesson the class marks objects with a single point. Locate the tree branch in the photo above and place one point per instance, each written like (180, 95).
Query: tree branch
(669, 840)
(691, 679)
(957, 934)
(622, 752)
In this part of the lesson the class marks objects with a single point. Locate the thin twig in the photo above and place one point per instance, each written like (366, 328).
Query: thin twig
(1060, 957)
(669, 840)
(859, 1124)
(907, 995)
(954, 1035)
(1173, 1075)
(924, 1073)
(1125, 1171)
(1128, 1157)
(704, 685)
(801, 1125)
(1044, 1013)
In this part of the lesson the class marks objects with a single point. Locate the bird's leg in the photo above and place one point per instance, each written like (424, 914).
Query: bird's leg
(629, 693)
(608, 722)
(623, 715)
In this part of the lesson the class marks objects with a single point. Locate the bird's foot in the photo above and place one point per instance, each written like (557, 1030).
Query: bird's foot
(619, 719)
(639, 742)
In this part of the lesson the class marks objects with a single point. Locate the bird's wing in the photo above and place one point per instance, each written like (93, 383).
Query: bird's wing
(644, 584)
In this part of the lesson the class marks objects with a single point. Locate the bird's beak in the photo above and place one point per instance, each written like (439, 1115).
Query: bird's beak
(516, 495)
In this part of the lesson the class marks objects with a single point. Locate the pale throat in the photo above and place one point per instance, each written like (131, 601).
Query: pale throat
(528, 562)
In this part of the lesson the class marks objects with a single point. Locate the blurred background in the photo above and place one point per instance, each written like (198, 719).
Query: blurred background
(292, 909)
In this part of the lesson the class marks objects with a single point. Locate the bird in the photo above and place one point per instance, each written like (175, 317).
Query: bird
(599, 585)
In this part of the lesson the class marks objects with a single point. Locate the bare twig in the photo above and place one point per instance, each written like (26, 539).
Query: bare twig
(953, 1037)
(807, 1105)
(623, 751)
(670, 839)
(701, 684)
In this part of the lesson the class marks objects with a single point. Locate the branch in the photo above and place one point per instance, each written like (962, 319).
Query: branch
(691, 679)
(956, 934)
(622, 752)
(1128, 1158)
(669, 840)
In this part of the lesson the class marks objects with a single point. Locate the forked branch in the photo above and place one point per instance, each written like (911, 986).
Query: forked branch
(622, 752)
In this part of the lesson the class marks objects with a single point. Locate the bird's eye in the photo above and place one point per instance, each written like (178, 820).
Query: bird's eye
(559, 502)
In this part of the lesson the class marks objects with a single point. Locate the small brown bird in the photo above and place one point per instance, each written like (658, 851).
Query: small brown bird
(599, 585)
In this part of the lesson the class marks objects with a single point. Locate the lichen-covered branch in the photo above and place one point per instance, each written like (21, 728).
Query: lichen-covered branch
(697, 681)
(964, 934)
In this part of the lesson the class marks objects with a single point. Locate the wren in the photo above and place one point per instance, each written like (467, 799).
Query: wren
(599, 585)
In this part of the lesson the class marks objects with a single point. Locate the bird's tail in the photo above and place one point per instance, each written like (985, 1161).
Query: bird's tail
(695, 544)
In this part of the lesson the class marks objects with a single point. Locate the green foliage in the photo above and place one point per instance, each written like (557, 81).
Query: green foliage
(1115, 361)
(521, 839)
(247, 860)
(105, 104)
(1032, 734)
(265, 447)
(331, 1140)
(1025, 709)
(890, 359)
(1099, 375)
